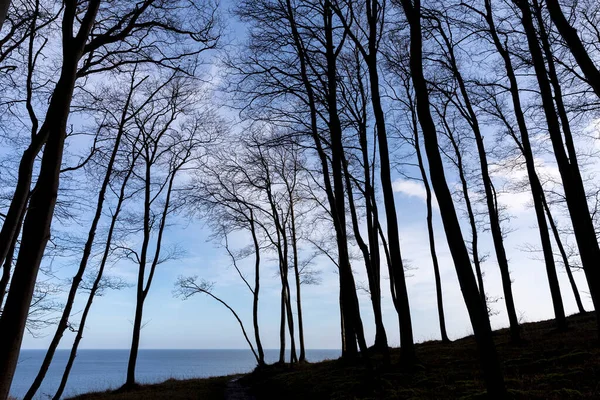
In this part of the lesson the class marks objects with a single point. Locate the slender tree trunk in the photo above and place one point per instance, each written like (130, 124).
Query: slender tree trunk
(4, 5)
(565, 258)
(396, 267)
(536, 187)
(259, 348)
(494, 218)
(36, 232)
(375, 298)
(288, 301)
(478, 314)
(143, 289)
(18, 203)
(381, 341)
(282, 327)
(8, 262)
(470, 213)
(36, 226)
(370, 252)
(570, 36)
(430, 231)
(348, 338)
(593, 276)
(135, 343)
(87, 250)
(294, 239)
(571, 178)
(95, 285)
(353, 323)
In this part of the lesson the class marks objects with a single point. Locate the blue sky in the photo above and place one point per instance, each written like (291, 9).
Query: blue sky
(202, 323)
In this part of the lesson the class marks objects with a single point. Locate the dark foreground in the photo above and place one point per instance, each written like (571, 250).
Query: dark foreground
(549, 365)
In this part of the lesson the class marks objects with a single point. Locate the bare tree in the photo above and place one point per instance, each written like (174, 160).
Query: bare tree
(123, 120)
(166, 149)
(98, 45)
(478, 314)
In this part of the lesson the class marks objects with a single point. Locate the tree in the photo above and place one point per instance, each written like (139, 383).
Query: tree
(99, 45)
(123, 122)
(569, 171)
(575, 44)
(375, 14)
(165, 151)
(294, 52)
(478, 314)
(466, 107)
(522, 139)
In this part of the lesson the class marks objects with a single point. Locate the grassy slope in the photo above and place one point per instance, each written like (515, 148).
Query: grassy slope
(205, 389)
(549, 365)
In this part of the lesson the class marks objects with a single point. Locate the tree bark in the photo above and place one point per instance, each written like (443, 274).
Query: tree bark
(536, 187)
(36, 226)
(569, 34)
(492, 371)
(352, 323)
(430, 230)
(4, 6)
(87, 250)
(572, 157)
(565, 258)
(294, 239)
(396, 267)
(95, 285)
(256, 291)
(494, 218)
(571, 177)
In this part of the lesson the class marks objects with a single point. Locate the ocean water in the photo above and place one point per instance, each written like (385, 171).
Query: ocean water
(96, 370)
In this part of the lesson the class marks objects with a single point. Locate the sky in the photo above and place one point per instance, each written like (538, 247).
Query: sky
(202, 323)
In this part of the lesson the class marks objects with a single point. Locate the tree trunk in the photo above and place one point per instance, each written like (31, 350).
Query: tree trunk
(282, 327)
(302, 357)
(4, 5)
(571, 178)
(380, 335)
(470, 213)
(490, 197)
(347, 339)
(255, 293)
(565, 258)
(36, 231)
(6, 269)
(396, 267)
(536, 187)
(569, 34)
(95, 285)
(591, 253)
(352, 323)
(36, 226)
(430, 231)
(87, 250)
(493, 376)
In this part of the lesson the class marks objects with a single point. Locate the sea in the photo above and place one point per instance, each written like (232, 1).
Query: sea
(99, 370)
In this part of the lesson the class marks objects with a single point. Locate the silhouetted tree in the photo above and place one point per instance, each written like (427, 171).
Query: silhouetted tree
(478, 314)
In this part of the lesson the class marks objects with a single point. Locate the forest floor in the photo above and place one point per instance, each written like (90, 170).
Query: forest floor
(548, 365)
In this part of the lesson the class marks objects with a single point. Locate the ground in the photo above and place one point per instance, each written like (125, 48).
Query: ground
(548, 365)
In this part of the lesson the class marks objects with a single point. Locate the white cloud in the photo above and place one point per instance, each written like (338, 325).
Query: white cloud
(410, 188)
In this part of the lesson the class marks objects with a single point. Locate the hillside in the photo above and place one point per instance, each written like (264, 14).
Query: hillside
(549, 365)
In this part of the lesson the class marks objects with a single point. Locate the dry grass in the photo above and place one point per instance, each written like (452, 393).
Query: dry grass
(549, 365)
(205, 389)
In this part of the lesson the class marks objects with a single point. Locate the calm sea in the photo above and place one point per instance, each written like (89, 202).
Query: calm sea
(96, 370)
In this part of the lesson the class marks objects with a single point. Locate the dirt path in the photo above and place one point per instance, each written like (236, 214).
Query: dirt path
(236, 391)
